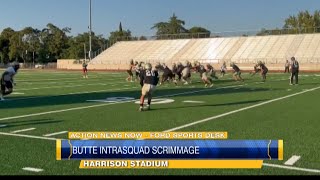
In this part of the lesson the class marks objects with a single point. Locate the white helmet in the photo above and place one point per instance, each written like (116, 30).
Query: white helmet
(148, 66)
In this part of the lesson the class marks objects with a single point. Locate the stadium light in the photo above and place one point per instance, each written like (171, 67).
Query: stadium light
(90, 32)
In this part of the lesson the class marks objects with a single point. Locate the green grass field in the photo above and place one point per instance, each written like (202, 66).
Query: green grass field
(48, 102)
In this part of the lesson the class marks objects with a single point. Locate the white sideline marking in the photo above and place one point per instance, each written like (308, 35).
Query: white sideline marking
(101, 105)
(17, 93)
(3, 125)
(195, 102)
(59, 111)
(292, 168)
(28, 136)
(70, 86)
(75, 93)
(239, 110)
(23, 130)
(53, 134)
(32, 169)
(292, 160)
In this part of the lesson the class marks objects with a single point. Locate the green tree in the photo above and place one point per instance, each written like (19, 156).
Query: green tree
(77, 45)
(120, 35)
(199, 32)
(173, 27)
(303, 22)
(55, 40)
(5, 37)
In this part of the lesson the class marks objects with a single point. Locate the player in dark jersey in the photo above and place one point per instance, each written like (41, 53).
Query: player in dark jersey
(223, 69)
(256, 69)
(148, 80)
(85, 69)
(179, 70)
(137, 70)
(167, 74)
(7, 81)
(294, 71)
(264, 71)
(237, 72)
(174, 69)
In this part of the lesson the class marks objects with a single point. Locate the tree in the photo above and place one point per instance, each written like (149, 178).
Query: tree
(303, 22)
(76, 45)
(55, 40)
(173, 27)
(120, 35)
(5, 37)
(199, 32)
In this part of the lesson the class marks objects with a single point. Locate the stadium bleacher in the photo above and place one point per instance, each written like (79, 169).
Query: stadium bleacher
(273, 50)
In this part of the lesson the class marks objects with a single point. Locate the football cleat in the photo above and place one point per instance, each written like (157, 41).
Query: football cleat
(141, 109)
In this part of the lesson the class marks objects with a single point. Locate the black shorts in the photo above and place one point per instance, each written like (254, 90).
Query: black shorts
(265, 71)
(130, 73)
(6, 84)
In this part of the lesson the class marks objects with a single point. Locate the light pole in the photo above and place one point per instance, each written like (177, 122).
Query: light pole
(85, 52)
(90, 32)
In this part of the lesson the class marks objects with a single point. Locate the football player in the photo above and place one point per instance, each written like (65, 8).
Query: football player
(237, 72)
(148, 80)
(129, 71)
(223, 69)
(7, 81)
(85, 69)
(264, 71)
(167, 74)
(256, 69)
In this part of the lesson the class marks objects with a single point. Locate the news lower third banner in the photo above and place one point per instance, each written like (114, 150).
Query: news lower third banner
(166, 150)
(170, 149)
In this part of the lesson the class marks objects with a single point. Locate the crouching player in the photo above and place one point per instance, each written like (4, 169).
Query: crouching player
(264, 71)
(148, 81)
(7, 81)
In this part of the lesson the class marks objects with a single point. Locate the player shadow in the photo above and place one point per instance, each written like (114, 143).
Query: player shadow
(30, 122)
(78, 100)
(210, 105)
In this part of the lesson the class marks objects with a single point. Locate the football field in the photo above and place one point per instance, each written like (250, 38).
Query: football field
(47, 104)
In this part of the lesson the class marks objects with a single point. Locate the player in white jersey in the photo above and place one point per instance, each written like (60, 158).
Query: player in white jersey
(7, 81)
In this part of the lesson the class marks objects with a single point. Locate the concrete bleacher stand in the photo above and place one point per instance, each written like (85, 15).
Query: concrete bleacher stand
(244, 51)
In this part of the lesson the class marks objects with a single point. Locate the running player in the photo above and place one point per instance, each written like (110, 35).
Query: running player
(223, 69)
(237, 72)
(148, 80)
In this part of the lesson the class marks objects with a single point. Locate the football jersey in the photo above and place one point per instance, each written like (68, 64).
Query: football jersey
(10, 73)
(149, 77)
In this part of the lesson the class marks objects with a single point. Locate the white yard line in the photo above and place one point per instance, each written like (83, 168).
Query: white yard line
(27, 136)
(101, 105)
(57, 133)
(68, 94)
(70, 86)
(239, 110)
(292, 160)
(23, 130)
(32, 169)
(292, 168)
(194, 102)
(17, 93)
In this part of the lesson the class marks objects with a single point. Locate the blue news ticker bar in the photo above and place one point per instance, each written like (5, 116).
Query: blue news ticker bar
(172, 149)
